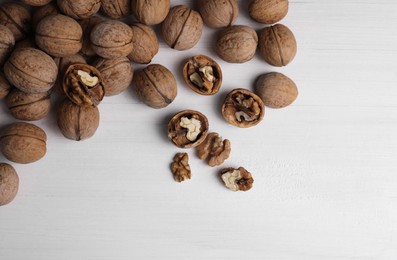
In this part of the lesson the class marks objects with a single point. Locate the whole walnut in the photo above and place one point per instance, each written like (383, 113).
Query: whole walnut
(111, 39)
(36, 2)
(87, 25)
(268, 11)
(145, 44)
(116, 9)
(236, 44)
(9, 183)
(44, 11)
(28, 107)
(7, 42)
(5, 86)
(182, 28)
(150, 12)
(17, 18)
(276, 90)
(59, 35)
(77, 122)
(23, 142)
(277, 45)
(28, 42)
(79, 9)
(155, 86)
(31, 70)
(218, 13)
(116, 73)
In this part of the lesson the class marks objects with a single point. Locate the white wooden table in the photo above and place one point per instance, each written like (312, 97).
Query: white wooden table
(325, 168)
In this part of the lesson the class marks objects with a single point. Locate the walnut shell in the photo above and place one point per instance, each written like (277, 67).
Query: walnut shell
(236, 44)
(5, 86)
(59, 35)
(182, 28)
(277, 45)
(179, 135)
(79, 9)
(31, 70)
(28, 107)
(150, 12)
(196, 75)
(77, 122)
(155, 86)
(36, 2)
(145, 44)
(116, 9)
(23, 142)
(276, 90)
(268, 11)
(63, 64)
(116, 73)
(7, 42)
(44, 11)
(87, 25)
(28, 42)
(218, 13)
(17, 18)
(9, 183)
(111, 39)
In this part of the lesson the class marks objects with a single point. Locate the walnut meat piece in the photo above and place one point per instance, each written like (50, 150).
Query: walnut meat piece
(214, 149)
(180, 167)
(203, 75)
(237, 179)
(243, 108)
(9, 183)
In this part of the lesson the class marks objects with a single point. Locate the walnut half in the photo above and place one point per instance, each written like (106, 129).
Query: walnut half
(237, 179)
(180, 167)
(214, 149)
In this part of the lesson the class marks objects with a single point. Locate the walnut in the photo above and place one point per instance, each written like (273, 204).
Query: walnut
(79, 9)
(9, 182)
(214, 149)
(237, 179)
(7, 42)
(5, 86)
(145, 44)
(268, 11)
(17, 18)
(180, 167)
(150, 12)
(218, 13)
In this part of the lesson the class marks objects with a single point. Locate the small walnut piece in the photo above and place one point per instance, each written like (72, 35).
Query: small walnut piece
(9, 183)
(214, 149)
(180, 167)
(237, 179)
(193, 127)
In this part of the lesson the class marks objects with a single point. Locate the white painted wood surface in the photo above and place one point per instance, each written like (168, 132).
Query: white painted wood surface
(325, 168)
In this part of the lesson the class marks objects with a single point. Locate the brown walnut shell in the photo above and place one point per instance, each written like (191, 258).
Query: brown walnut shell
(196, 67)
(87, 25)
(150, 12)
(236, 44)
(116, 9)
(79, 9)
(36, 2)
(77, 122)
(218, 13)
(268, 11)
(155, 86)
(276, 90)
(28, 42)
(17, 18)
(277, 45)
(7, 42)
(182, 28)
(44, 11)
(63, 64)
(5, 86)
(23, 142)
(9, 183)
(31, 70)
(243, 108)
(145, 44)
(179, 134)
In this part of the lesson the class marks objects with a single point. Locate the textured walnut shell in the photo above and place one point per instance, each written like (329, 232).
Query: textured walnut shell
(182, 28)
(7, 42)
(193, 65)
(150, 12)
(218, 13)
(17, 18)
(26, 43)
(59, 35)
(5, 86)
(116, 73)
(233, 105)
(116, 9)
(63, 64)
(276, 90)
(111, 39)
(36, 2)
(236, 44)
(79, 9)
(268, 11)
(77, 122)
(31, 70)
(44, 11)
(23, 142)
(177, 134)
(145, 44)
(155, 86)
(9, 183)
(28, 107)
(277, 45)
(87, 25)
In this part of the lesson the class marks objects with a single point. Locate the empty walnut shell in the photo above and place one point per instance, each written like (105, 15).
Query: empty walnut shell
(17, 18)
(182, 28)
(276, 90)
(188, 128)
(236, 44)
(23, 142)
(277, 45)
(203, 75)
(9, 183)
(5, 86)
(268, 11)
(87, 25)
(145, 44)
(218, 13)
(79, 9)
(150, 12)
(7, 42)
(83, 85)
(243, 108)
(116, 9)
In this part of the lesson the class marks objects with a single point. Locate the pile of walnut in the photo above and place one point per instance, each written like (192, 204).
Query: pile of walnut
(81, 51)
